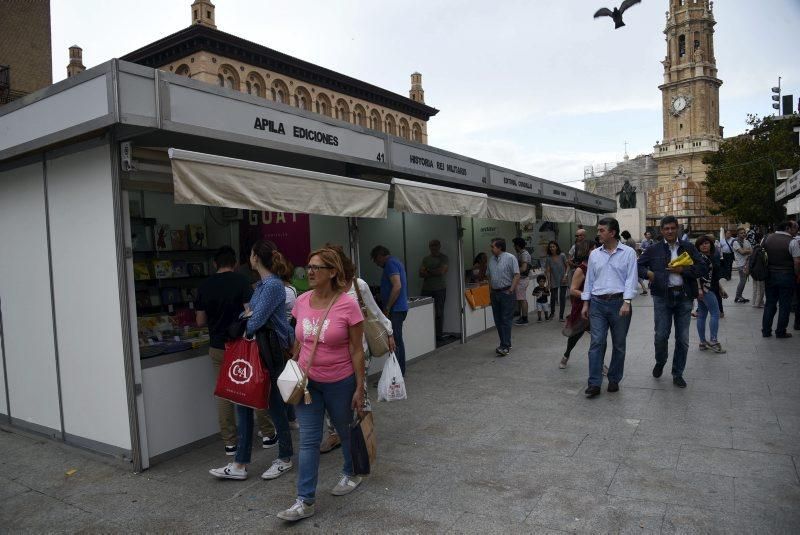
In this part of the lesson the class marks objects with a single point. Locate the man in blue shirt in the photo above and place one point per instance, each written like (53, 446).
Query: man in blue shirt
(503, 271)
(611, 283)
(394, 297)
(674, 289)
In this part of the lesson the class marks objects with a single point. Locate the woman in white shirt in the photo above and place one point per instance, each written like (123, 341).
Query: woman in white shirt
(332, 440)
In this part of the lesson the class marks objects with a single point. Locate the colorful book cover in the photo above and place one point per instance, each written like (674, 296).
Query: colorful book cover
(197, 236)
(196, 269)
(141, 271)
(163, 241)
(141, 238)
(179, 269)
(170, 296)
(189, 295)
(162, 269)
(179, 241)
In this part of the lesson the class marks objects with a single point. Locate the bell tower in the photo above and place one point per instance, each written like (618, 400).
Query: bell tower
(203, 13)
(690, 108)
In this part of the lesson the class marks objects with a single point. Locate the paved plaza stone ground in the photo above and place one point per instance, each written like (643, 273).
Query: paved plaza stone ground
(489, 445)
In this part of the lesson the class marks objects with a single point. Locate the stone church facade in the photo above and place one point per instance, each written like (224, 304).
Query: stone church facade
(204, 53)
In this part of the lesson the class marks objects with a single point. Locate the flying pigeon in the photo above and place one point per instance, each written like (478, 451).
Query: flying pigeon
(617, 13)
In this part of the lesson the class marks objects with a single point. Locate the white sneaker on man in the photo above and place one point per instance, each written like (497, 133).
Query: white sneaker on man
(298, 511)
(229, 472)
(346, 485)
(278, 468)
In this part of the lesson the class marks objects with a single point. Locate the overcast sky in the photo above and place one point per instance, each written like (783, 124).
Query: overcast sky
(537, 86)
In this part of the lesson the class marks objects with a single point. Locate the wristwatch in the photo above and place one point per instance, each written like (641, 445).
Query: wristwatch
(626, 301)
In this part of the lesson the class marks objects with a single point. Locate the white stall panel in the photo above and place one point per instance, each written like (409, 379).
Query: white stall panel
(179, 404)
(25, 292)
(86, 289)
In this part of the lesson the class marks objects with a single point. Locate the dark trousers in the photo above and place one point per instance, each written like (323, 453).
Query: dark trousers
(727, 266)
(397, 319)
(439, 297)
(778, 291)
(503, 312)
(669, 310)
(558, 296)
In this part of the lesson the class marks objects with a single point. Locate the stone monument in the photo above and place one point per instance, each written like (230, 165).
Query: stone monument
(629, 216)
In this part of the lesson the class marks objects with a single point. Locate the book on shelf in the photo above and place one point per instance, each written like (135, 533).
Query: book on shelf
(179, 240)
(141, 271)
(196, 269)
(162, 269)
(189, 295)
(197, 236)
(163, 240)
(143, 299)
(141, 237)
(179, 269)
(170, 296)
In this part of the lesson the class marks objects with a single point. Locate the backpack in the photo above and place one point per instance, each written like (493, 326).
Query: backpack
(757, 264)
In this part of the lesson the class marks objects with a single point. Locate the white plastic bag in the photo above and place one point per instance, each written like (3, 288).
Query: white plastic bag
(391, 387)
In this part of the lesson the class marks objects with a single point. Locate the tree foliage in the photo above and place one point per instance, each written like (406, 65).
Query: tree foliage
(741, 175)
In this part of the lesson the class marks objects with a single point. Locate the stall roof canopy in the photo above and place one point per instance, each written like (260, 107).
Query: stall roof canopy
(212, 180)
(503, 210)
(558, 214)
(585, 218)
(419, 198)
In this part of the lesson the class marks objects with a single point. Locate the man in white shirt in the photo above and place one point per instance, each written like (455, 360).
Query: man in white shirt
(726, 250)
(611, 283)
(741, 251)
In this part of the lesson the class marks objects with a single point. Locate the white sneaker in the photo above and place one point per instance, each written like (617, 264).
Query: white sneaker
(346, 485)
(229, 472)
(278, 468)
(298, 511)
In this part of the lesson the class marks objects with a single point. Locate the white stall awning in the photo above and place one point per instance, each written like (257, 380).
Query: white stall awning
(558, 214)
(211, 180)
(419, 198)
(585, 218)
(503, 210)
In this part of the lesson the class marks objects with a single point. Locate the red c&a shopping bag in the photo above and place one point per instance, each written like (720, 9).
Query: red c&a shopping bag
(242, 377)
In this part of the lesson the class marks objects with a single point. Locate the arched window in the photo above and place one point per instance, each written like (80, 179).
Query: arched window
(681, 46)
(229, 83)
(280, 91)
(342, 110)
(255, 84)
(249, 87)
(375, 121)
(183, 70)
(359, 115)
(302, 98)
(221, 80)
(391, 124)
(231, 77)
(323, 104)
(404, 130)
(416, 133)
(280, 97)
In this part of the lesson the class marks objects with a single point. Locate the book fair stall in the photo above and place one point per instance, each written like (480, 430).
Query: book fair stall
(118, 185)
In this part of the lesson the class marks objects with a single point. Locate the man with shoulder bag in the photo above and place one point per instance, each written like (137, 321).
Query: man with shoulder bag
(672, 267)
(783, 265)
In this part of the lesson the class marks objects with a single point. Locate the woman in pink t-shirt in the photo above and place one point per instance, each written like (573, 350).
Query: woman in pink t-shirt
(335, 378)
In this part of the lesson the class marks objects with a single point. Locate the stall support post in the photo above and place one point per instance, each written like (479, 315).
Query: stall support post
(352, 228)
(460, 264)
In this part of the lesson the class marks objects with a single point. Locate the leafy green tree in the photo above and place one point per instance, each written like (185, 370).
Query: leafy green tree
(741, 175)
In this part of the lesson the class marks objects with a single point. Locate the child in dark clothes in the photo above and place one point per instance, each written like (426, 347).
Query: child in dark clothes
(542, 294)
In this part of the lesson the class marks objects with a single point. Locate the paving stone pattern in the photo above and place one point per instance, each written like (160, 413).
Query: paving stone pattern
(488, 445)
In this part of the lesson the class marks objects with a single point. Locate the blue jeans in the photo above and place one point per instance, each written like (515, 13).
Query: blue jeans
(604, 316)
(244, 427)
(666, 310)
(335, 398)
(778, 292)
(397, 319)
(503, 312)
(708, 306)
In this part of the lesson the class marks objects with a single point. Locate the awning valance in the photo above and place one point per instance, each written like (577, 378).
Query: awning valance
(503, 210)
(211, 180)
(585, 218)
(558, 214)
(419, 198)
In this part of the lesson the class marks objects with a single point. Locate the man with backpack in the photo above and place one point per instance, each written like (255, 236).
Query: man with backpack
(782, 257)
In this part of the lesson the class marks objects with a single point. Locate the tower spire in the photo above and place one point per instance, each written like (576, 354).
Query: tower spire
(203, 13)
(416, 93)
(75, 61)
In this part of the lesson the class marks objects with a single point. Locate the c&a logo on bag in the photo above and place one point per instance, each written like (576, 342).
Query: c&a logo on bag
(240, 371)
